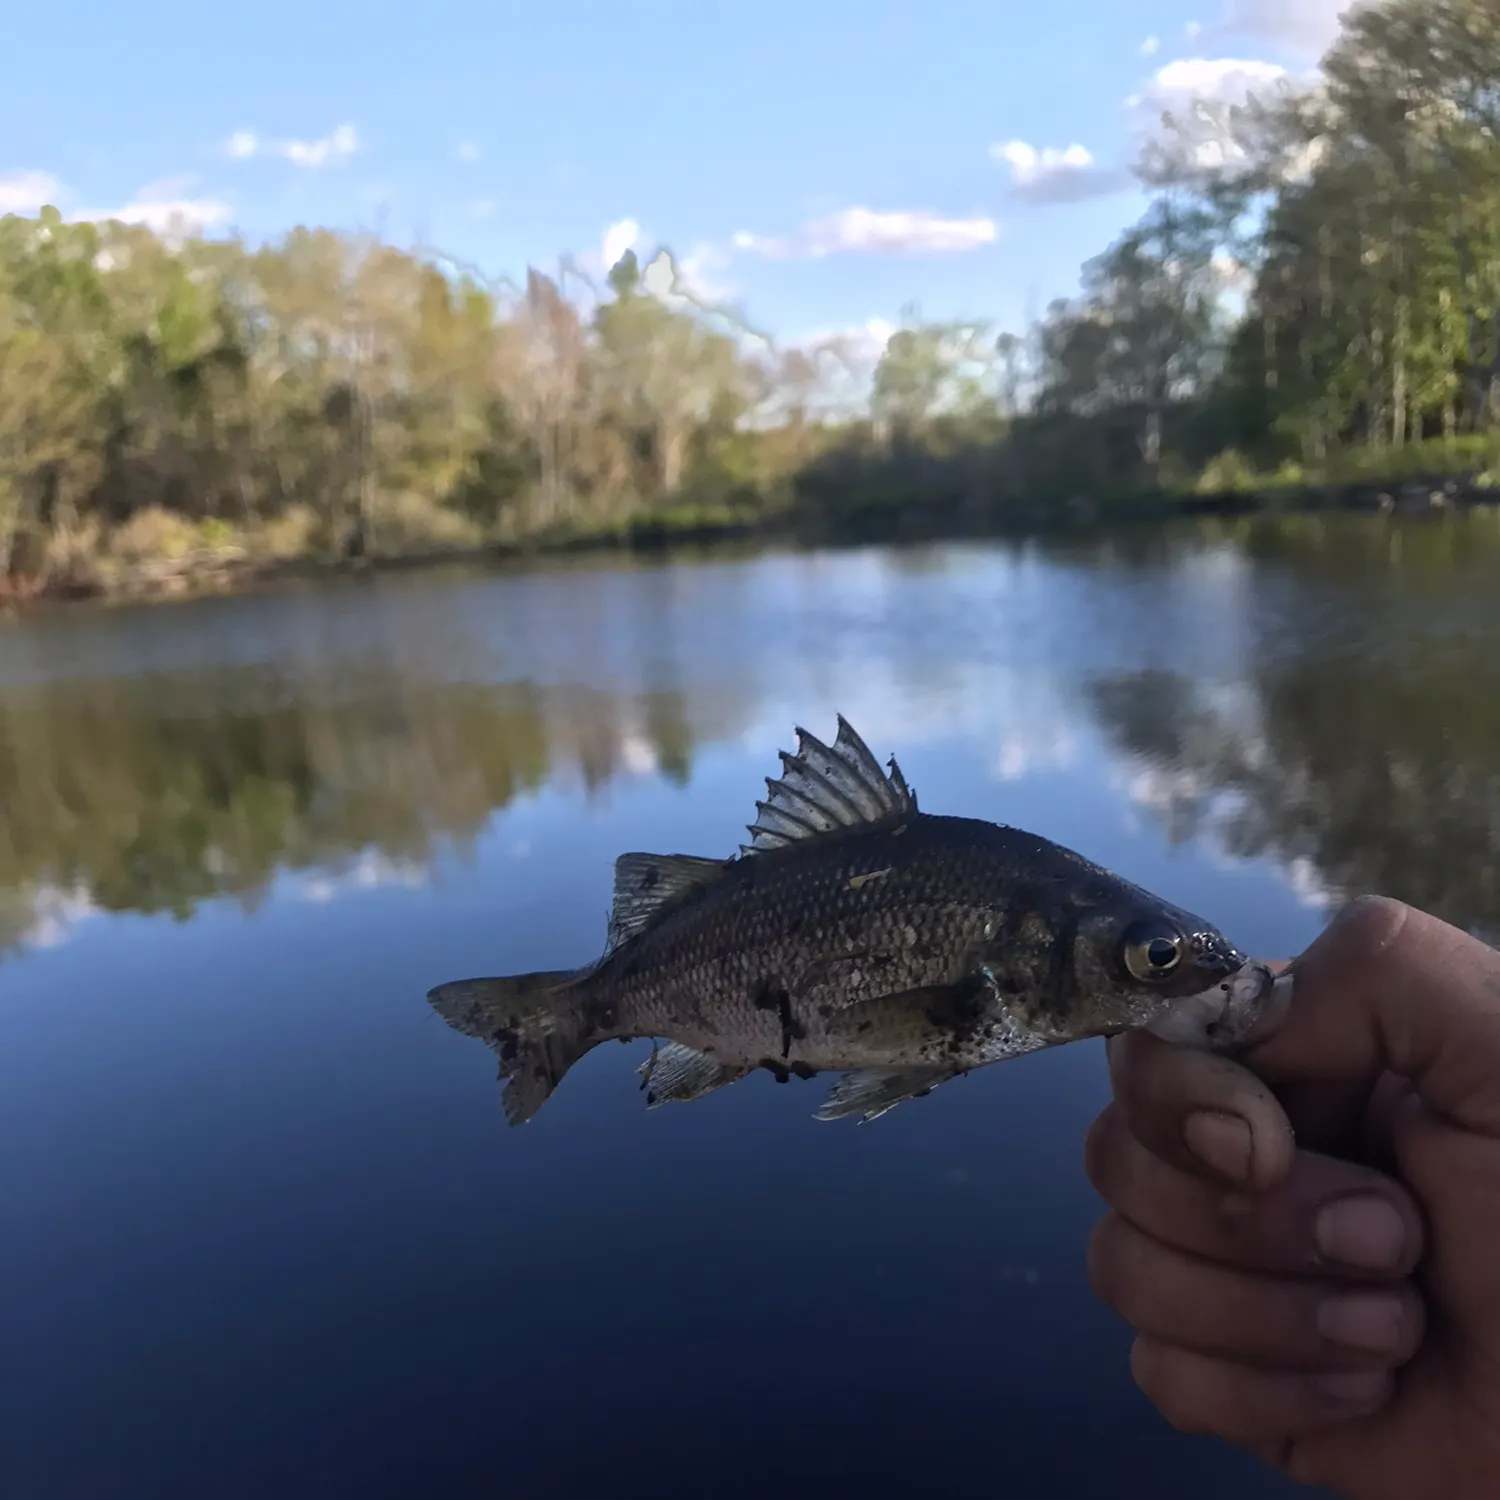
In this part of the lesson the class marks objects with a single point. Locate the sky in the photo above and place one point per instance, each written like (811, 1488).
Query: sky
(819, 163)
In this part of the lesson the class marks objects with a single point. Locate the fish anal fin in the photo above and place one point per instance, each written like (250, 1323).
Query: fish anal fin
(823, 789)
(647, 884)
(872, 1092)
(675, 1074)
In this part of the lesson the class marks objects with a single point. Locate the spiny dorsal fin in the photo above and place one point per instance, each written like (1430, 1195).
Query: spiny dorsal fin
(646, 884)
(823, 789)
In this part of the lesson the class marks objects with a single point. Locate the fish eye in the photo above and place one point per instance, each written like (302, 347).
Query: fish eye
(1151, 950)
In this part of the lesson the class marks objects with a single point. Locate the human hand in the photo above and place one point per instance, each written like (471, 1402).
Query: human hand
(1310, 1252)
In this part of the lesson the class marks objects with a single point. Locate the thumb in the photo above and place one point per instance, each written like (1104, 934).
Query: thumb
(1387, 988)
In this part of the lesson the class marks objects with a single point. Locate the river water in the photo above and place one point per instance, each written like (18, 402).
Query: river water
(263, 1229)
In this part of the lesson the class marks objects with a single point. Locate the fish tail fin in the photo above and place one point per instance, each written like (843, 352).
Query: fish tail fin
(535, 1024)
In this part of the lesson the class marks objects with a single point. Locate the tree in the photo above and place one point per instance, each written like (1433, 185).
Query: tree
(663, 369)
(1147, 333)
(932, 370)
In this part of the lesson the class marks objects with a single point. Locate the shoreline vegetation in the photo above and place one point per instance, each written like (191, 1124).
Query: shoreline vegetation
(1306, 318)
(185, 569)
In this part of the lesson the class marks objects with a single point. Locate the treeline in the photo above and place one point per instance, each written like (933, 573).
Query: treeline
(1313, 296)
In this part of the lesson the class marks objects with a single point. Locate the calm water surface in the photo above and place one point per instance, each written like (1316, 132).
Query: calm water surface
(263, 1230)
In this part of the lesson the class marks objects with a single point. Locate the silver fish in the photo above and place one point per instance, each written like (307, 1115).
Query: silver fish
(856, 934)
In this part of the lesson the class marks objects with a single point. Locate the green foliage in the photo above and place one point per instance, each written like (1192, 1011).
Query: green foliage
(1363, 224)
(1228, 471)
(1439, 458)
(332, 396)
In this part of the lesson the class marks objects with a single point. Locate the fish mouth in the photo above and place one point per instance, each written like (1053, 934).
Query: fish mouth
(1231, 1015)
(1212, 955)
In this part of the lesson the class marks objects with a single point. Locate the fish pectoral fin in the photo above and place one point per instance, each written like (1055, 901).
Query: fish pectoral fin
(675, 1074)
(646, 884)
(822, 789)
(872, 1092)
(907, 1016)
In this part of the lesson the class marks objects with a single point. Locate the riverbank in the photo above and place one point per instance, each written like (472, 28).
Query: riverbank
(230, 565)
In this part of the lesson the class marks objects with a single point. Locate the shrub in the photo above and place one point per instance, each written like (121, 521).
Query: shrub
(1230, 470)
(154, 534)
(296, 532)
(408, 521)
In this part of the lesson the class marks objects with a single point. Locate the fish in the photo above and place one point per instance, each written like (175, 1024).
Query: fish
(856, 934)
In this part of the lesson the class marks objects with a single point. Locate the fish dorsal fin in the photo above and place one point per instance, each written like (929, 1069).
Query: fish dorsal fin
(822, 790)
(646, 884)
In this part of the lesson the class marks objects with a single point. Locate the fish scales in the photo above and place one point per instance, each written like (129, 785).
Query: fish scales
(832, 925)
(858, 934)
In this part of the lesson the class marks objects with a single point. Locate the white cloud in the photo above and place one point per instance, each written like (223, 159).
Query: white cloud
(698, 273)
(869, 339)
(56, 912)
(638, 755)
(851, 343)
(1304, 28)
(165, 209)
(1229, 78)
(1309, 887)
(468, 151)
(865, 231)
(369, 871)
(662, 277)
(1151, 46)
(1232, 273)
(1046, 745)
(1203, 96)
(621, 236)
(691, 279)
(165, 188)
(325, 151)
(180, 216)
(483, 208)
(339, 146)
(1050, 175)
(26, 192)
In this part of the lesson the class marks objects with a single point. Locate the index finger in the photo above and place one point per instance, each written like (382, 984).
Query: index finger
(1196, 1109)
(1387, 988)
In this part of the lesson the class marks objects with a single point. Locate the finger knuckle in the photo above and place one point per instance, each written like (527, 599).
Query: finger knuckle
(1102, 1260)
(1097, 1153)
(1154, 1368)
(1372, 922)
(1413, 1326)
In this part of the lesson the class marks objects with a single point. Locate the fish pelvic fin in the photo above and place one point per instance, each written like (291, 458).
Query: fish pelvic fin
(823, 789)
(534, 1023)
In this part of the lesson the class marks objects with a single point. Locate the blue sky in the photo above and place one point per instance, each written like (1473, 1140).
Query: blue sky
(821, 161)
